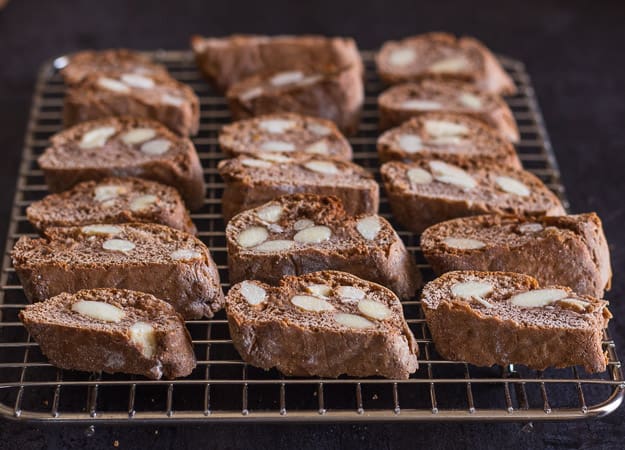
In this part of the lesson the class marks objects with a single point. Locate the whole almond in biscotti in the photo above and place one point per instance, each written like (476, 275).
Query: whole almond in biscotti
(111, 201)
(487, 318)
(253, 181)
(111, 330)
(284, 133)
(562, 250)
(451, 137)
(307, 326)
(422, 193)
(443, 56)
(124, 147)
(320, 236)
(156, 259)
(404, 101)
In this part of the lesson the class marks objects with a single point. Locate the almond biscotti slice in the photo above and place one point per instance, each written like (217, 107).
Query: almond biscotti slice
(560, 250)
(451, 137)
(321, 324)
(124, 147)
(303, 233)
(106, 62)
(158, 96)
(284, 133)
(250, 182)
(173, 265)
(487, 318)
(112, 200)
(429, 191)
(399, 103)
(334, 93)
(111, 330)
(443, 56)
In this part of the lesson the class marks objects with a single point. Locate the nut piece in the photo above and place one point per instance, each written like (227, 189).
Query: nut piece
(274, 246)
(185, 254)
(274, 157)
(324, 167)
(101, 229)
(251, 93)
(96, 137)
(108, 192)
(443, 128)
(113, 85)
(420, 105)
(98, 310)
(410, 143)
(138, 135)
(277, 146)
(470, 101)
(253, 293)
(276, 126)
(353, 321)
(156, 147)
(138, 81)
(374, 310)
(463, 243)
(402, 56)
(537, 298)
(369, 227)
(118, 245)
(453, 64)
(312, 304)
(313, 235)
(144, 335)
(512, 186)
(143, 202)
(250, 162)
(471, 289)
(350, 293)
(284, 78)
(574, 304)
(302, 224)
(318, 129)
(531, 227)
(172, 100)
(270, 213)
(252, 236)
(319, 290)
(448, 174)
(318, 148)
(418, 175)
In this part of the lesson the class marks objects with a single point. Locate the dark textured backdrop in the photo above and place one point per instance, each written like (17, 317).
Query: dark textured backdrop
(573, 51)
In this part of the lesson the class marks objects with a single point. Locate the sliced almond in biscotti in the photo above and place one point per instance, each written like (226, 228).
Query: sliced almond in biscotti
(443, 56)
(466, 189)
(123, 147)
(111, 330)
(304, 334)
(563, 250)
(284, 133)
(320, 235)
(451, 137)
(110, 201)
(402, 102)
(253, 181)
(159, 260)
(487, 318)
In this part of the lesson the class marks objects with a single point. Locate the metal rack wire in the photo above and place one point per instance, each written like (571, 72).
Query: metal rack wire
(223, 388)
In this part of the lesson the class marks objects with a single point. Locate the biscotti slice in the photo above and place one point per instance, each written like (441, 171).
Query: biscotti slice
(284, 133)
(159, 97)
(171, 264)
(425, 192)
(334, 93)
(443, 56)
(399, 103)
(321, 324)
(564, 250)
(250, 182)
(303, 233)
(111, 330)
(226, 60)
(451, 137)
(487, 318)
(112, 200)
(112, 61)
(124, 147)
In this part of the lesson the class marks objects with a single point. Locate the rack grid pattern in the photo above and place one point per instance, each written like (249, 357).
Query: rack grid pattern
(223, 388)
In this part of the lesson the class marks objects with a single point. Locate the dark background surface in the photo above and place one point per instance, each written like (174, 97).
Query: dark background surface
(574, 53)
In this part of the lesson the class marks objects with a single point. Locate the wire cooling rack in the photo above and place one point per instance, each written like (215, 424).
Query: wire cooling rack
(222, 387)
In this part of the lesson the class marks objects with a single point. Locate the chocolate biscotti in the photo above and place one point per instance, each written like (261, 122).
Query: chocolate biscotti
(399, 103)
(443, 56)
(429, 191)
(112, 200)
(284, 133)
(250, 182)
(159, 97)
(303, 233)
(487, 318)
(156, 259)
(124, 147)
(321, 324)
(560, 250)
(451, 137)
(111, 330)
